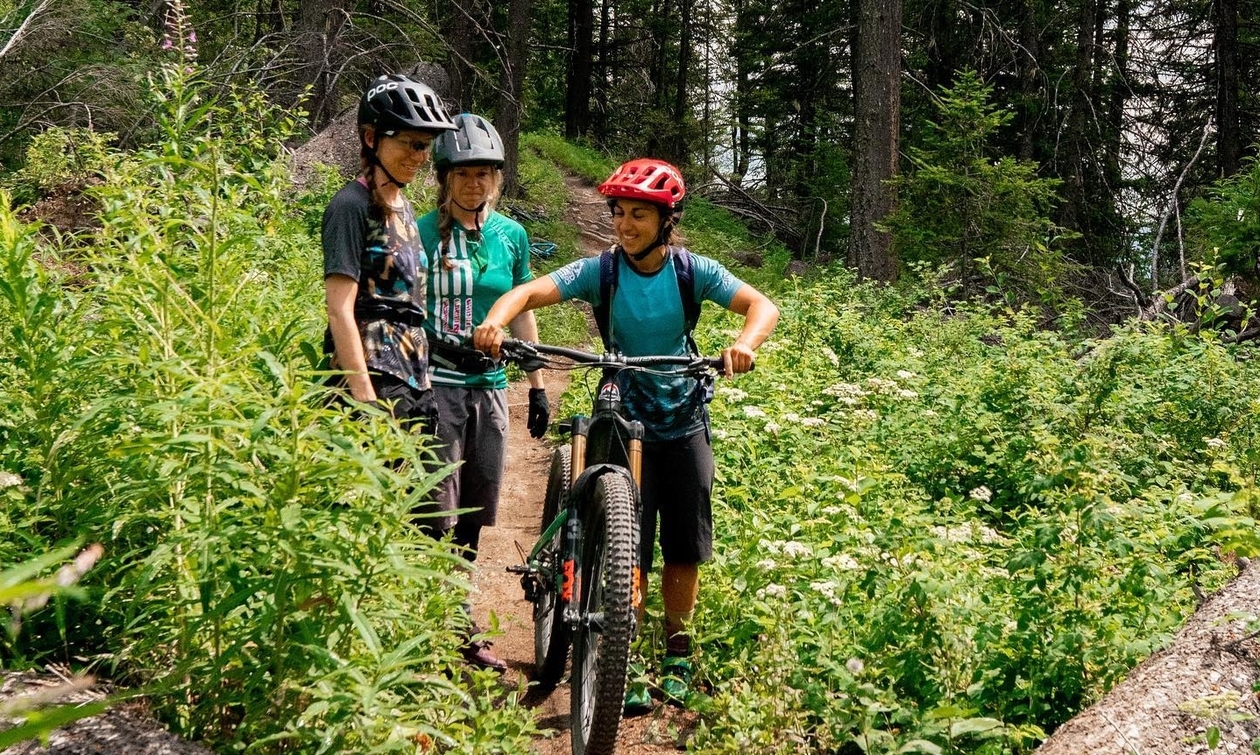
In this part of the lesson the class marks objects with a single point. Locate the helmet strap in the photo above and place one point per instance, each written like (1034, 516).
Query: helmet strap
(476, 213)
(643, 254)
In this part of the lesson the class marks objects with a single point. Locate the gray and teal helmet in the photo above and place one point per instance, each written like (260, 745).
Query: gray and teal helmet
(396, 102)
(474, 141)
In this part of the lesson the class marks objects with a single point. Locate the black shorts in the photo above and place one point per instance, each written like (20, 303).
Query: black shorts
(677, 489)
(414, 408)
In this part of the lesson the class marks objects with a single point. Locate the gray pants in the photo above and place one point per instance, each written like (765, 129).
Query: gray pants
(472, 428)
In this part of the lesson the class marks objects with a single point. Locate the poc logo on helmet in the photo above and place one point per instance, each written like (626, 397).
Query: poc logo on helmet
(382, 88)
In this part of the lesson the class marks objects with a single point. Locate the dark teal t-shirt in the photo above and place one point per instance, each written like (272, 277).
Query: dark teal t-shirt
(647, 319)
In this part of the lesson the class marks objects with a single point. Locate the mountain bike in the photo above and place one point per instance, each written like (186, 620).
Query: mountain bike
(582, 575)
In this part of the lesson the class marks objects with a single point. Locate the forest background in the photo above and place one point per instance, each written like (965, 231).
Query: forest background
(1021, 433)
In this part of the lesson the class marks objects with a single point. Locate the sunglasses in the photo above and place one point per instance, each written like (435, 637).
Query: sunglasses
(415, 145)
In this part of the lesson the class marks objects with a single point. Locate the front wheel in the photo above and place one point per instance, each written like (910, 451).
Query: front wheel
(551, 634)
(601, 644)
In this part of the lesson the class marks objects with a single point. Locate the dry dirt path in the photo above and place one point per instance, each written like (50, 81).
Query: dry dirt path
(520, 511)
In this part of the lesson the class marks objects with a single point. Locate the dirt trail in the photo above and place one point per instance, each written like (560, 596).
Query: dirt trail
(520, 511)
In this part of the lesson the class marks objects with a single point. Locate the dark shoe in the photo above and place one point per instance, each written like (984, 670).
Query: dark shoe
(676, 679)
(638, 701)
(477, 653)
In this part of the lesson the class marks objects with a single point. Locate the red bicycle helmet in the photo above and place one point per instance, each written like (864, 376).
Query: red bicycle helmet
(647, 180)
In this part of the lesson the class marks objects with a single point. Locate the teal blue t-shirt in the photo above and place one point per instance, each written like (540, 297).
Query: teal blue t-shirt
(465, 279)
(646, 319)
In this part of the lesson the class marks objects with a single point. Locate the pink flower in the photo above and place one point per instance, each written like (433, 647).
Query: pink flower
(166, 43)
(192, 37)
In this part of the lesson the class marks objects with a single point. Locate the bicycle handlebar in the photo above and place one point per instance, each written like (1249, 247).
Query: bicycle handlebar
(529, 354)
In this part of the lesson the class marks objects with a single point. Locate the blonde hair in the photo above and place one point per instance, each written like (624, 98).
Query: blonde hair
(444, 200)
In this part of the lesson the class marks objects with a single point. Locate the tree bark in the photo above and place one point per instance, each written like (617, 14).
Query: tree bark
(460, 36)
(319, 25)
(1210, 668)
(577, 91)
(511, 92)
(877, 116)
(679, 148)
(1229, 140)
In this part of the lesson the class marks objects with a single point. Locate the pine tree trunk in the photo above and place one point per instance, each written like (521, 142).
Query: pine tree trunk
(877, 116)
(511, 91)
(577, 91)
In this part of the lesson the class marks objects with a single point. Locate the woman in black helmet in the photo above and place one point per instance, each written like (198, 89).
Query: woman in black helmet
(374, 267)
(475, 255)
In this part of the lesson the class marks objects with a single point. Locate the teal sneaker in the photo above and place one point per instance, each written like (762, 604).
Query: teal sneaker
(638, 699)
(676, 679)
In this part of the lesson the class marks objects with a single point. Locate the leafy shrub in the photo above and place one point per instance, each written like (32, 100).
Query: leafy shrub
(269, 583)
(986, 216)
(948, 531)
(60, 157)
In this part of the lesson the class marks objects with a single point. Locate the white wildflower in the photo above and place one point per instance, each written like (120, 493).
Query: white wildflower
(929, 412)
(813, 421)
(767, 564)
(793, 549)
(960, 534)
(719, 433)
(855, 666)
(847, 400)
(770, 546)
(827, 590)
(773, 427)
(9, 480)
(831, 356)
(982, 493)
(781, 387)
(792, 417)
(916, 353)
(865, 415)
(906, 393)
(831, 510)
(905, 374)
(816, 402)
(1241, 215)
(731, 393)
(844, 389)
(772, 591)
(881, 384)
(840, 562)
(754, 411)
(1214, 442)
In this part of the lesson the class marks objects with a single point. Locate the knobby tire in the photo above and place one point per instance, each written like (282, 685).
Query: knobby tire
(601, 659)
(551, 634)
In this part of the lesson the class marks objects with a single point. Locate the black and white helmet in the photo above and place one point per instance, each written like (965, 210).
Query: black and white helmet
(473, 142)
(396, 102)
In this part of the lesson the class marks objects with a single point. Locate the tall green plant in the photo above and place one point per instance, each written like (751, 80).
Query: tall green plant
(270, 583)
(963, 205)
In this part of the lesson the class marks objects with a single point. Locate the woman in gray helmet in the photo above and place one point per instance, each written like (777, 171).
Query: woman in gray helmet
(475, 255)
(374, 266)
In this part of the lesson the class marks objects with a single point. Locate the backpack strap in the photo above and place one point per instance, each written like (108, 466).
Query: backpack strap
(686, 273)
(684, 270)
(607, 284)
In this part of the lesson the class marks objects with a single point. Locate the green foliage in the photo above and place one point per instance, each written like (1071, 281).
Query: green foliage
(61, 157)
(577, 160)
(1226, 223)
(985, 215)
(948, 533)
(266, 579)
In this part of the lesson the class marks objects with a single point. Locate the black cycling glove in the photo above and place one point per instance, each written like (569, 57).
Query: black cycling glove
(539, 412)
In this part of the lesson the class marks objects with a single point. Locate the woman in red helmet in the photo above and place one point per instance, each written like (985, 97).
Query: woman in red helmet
(647, 316)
